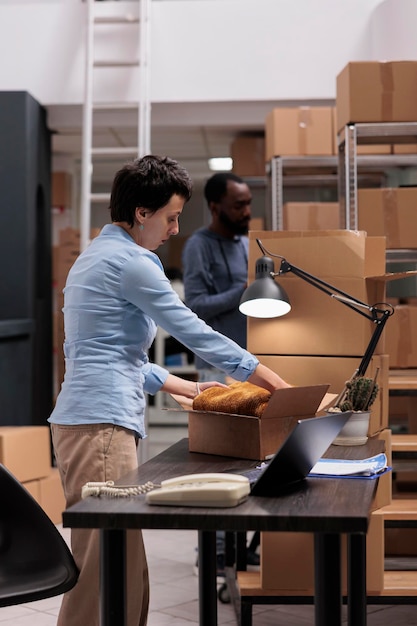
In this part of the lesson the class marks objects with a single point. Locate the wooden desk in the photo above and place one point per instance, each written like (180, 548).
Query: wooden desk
(325, 507)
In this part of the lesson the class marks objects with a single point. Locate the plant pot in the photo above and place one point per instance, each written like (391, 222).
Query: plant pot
(355, 431)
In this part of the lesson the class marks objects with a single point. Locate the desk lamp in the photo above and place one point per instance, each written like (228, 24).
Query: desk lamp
(264, 298)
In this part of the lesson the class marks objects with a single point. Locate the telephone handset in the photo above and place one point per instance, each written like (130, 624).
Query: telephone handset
(215, 489)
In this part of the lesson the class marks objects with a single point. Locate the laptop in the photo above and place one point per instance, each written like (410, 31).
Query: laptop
(301, 450)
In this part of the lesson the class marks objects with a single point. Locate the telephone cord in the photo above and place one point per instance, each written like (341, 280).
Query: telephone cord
(113, 491)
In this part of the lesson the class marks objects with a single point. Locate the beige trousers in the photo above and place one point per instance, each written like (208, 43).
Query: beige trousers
(98, 452)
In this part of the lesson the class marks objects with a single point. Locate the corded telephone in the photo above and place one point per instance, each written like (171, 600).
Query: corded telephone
(216, 489)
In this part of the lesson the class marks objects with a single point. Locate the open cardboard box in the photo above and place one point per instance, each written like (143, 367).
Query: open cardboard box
(248, 437)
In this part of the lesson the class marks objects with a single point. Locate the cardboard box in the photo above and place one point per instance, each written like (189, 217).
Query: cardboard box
(247, 437)
(389, 213)
(317, 323)
(334, 370)
(383, 494)
(248, 154)
(294, 552)
(303, 131)
(257, 223)
(401, 337)
(326, 254)
(404, 148)
(51, 495)
(374, 149)
(374, 91)
(61, 190)
(287, 560)
(26, 451)
(360, 148)
(33, 487)
(311, 215)
(72, 236)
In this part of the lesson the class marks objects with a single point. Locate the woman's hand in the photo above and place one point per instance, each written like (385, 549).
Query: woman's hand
(188, 388)
(266, 378)
(206, 385)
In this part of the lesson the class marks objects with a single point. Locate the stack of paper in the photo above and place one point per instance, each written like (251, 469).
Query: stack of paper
(371, 467)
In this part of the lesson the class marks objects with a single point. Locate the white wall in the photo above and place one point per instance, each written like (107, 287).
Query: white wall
(393, 30)
(255, 49)
(207, 50)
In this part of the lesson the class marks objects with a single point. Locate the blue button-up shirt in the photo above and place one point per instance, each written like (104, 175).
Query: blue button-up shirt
(115, 296)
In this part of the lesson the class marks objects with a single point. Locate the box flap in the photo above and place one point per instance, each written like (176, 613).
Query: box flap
(385, 278)
(327, 402)
(326, 254)
(295, 401)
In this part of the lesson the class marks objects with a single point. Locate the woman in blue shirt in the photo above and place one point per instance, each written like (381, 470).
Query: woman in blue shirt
(115, 296)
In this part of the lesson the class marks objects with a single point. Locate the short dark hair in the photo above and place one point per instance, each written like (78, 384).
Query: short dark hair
(148, 182)
(216, 186)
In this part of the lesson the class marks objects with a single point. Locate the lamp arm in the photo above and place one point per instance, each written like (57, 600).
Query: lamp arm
(378, 316)
(334, 292)
(366, 359)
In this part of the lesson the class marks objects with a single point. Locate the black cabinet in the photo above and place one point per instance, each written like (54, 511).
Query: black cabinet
(25, 261)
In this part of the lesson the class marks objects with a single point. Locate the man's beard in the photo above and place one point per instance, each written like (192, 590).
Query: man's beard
(238, 228)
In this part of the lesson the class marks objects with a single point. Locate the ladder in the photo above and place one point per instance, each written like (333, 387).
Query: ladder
(106, 15)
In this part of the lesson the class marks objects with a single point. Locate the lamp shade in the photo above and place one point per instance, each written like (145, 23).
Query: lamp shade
(264, 297)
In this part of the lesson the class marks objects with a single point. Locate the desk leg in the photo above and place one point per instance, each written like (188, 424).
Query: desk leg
(112, 577)
(327, 580)
(207, 578)
(357, 580)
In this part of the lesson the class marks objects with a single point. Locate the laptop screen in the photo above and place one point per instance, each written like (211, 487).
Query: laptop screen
(304, 446)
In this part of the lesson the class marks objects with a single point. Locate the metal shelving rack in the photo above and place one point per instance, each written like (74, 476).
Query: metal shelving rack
(343, 170)
(353, 135)
(309, 172)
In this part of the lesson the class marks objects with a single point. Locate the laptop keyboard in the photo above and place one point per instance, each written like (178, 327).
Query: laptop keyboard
(253, 474)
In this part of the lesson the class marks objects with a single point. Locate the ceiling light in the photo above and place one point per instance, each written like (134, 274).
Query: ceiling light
(220, 164)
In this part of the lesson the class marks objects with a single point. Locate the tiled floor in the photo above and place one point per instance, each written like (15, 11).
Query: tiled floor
(174, 587)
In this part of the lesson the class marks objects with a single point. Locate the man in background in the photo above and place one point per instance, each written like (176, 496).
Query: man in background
(215, 262)
(215, 267)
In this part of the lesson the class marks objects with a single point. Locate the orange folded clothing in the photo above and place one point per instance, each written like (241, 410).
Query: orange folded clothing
(239, 398)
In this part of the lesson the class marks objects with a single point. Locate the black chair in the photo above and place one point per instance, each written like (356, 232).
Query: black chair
(35, 561)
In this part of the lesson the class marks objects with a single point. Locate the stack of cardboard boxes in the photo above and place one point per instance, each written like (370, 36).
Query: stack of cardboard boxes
(323, 341)
(26, 452)
(376, 91)
(61, 191)
(379, 92)
(391, 212)
(367, 92)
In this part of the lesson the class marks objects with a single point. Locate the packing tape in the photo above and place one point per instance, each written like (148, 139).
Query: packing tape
(304, 121)
(387, 96)
(313, 217)
(391, 217)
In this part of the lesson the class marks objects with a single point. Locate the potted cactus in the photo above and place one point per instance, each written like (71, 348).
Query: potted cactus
(358, 396)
